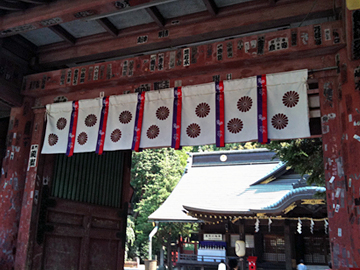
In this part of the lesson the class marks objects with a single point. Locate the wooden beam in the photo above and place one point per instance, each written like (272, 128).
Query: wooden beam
(225, 25)
(24, 43)
(57, 29)
(197, 75)
(9, 94)
(211, 6)
(65, 11)
(73, 207)
(5, 112)
(272, 2)
(108, 26)
(12, 6)
(21, 47)
(156, 16)
(206, 62)
(36, 2)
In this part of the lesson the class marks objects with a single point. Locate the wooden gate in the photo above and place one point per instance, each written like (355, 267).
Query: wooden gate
(83, 212)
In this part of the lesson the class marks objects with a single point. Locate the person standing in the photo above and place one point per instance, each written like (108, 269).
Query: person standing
(233, 264)
(222, 265)
(301, 265)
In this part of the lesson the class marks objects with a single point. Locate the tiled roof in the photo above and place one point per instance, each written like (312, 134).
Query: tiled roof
(214, 186)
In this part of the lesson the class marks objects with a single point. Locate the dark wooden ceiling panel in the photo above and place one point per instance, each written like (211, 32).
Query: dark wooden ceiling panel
(156, 15)
(12, 6)
(108, 26)
(211, 7)
(85, 31)
(61, 32)
(203, 28)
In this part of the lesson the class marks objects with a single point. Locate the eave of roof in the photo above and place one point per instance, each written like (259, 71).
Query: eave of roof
(290, 197)
(279, 170)
(230, 190)
(302, 193)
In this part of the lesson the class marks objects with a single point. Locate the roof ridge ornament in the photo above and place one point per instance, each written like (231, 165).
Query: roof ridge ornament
(300, 183)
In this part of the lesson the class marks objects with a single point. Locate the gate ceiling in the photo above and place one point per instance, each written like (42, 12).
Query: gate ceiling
(66, 33)
(137, 45)
(58, 34)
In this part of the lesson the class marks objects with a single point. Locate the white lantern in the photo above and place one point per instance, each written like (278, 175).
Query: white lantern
(240, 248)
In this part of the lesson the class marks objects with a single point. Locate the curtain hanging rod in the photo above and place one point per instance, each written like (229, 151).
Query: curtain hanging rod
(322, 69)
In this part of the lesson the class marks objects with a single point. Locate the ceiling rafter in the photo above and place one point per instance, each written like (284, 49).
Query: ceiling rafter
(241, 8)
(272, 2)
(211, 7)
(227, 22)
(156, 16)
(18, 39)
(20, 47)
(37, 2)
(60, 31)
(12, 6)
(108, 26)
(74, 10)
(8, 97)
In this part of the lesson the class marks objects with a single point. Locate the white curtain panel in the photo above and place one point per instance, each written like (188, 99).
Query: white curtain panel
(287, 105)
(87, 125)
(121, 121)
(240, 110)
(158, 110)
(58, 118)
(198, 115)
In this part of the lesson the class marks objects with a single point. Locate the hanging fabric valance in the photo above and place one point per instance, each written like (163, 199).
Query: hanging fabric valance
(264, 107)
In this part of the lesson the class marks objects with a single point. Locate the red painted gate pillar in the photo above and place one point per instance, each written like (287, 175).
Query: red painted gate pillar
(27, 225)
(12, 181)
(340, 110)
(340, 115)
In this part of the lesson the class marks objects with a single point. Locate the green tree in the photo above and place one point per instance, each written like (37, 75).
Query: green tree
(155, 173)
(304, 155)
(130, 248)
(228, 146)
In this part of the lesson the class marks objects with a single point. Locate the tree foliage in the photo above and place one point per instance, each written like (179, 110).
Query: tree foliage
(304, 155)
(130, 249)
(154, 175)
(228, 146)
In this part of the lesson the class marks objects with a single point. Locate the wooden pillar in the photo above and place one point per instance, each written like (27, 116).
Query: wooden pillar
(168, 246)
(26, 231)
(227, 240)
(259, 246)
(127, 194)
(12, 181)
(339, 100)
(333, 160)
(242, 264)
(340, 113)
(288, 245)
